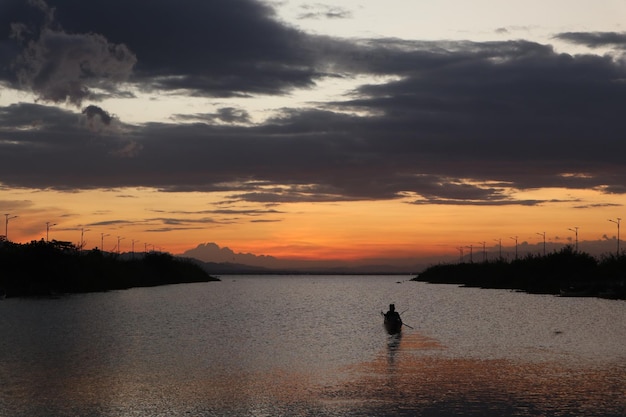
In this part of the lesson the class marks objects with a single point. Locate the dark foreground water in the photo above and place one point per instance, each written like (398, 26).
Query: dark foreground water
(311, 346)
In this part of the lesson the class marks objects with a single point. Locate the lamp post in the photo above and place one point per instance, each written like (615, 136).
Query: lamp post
(460, 249)
(515, 239)
(133, 247)
(575, 230)
(102, 235)
(7, 217)
(471, 248)
(544, 242)
(617, 223)
(118, 244)
(48, 226)
(82, 237)
(499, 248)
(484, 251)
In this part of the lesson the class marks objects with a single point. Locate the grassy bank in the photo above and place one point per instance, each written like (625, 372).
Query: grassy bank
(44, 268)
(566, 272)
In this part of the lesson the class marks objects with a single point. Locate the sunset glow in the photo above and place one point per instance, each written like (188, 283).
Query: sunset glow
(312, 131)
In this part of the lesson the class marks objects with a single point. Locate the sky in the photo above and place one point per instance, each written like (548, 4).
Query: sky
(306, 130)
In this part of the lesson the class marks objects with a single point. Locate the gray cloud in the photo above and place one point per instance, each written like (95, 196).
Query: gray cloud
(189, 45)
(229, 115)
(96, 112)
(595, 39)
(59, 66)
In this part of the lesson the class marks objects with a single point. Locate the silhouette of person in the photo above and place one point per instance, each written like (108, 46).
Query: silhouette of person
(392, 314)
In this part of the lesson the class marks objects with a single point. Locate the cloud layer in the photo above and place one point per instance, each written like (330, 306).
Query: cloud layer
(455, 122)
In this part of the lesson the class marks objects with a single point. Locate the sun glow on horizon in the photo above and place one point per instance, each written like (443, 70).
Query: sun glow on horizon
(304, 130)
(392, 229)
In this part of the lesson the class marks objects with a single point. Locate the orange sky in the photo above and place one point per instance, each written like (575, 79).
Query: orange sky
(338, 230)
(313, 131)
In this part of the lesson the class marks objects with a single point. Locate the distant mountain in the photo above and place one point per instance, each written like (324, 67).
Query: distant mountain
(224, 260)
(212, 253)
(226, 268)
(216, 260)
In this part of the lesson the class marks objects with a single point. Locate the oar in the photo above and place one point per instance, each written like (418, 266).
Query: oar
(403, 323)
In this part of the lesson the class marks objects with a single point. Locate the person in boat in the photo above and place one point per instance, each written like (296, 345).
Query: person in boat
(392, 314)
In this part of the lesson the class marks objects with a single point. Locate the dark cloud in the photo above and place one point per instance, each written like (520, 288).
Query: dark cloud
(60, 66)
(9, 205)
(595, 39)
(228, 115)
(450, 122)
(218, 48)
(93, 112)
(505, 202)
(111, 223)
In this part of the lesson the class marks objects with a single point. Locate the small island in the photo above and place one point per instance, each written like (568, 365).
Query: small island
(566, 272)
(42, 268)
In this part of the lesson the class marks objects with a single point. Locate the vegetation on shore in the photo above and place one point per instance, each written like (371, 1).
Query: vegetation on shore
(566, 272)
(45, 268)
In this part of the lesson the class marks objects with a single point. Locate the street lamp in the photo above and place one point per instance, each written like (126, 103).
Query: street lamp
(499, 247)
(471, 253)
(102, 235)
(82, 237)
(544, 242)
(133, 247)
(48, 226)
(484, 251)
(515, 239)
(575, 230)
(118, 244)
(7, 217)
(617, 223)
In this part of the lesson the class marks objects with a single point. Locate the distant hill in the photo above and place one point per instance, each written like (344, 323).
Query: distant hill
(226, 261)
(227, 268)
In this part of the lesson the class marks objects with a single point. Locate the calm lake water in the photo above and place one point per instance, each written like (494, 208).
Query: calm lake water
(311, 346)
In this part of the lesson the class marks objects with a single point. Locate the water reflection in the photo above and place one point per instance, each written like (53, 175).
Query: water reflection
(405, 381)
(208, 350)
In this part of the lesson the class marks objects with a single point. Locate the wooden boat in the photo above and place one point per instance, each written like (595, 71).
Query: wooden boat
(392, 325)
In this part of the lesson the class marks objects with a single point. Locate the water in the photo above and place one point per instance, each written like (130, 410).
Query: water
(311, 346)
